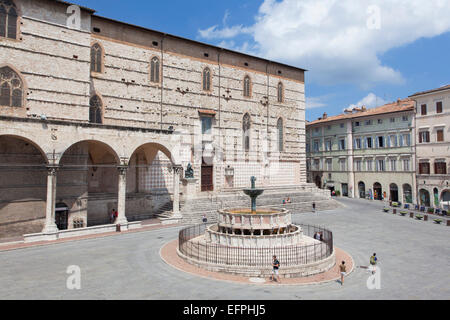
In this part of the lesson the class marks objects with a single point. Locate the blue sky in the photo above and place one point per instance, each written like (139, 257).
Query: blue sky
(356, 53)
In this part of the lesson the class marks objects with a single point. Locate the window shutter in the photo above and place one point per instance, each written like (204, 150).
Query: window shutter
(420, 137)
(389, 141)
(365, 143)
(395, 141)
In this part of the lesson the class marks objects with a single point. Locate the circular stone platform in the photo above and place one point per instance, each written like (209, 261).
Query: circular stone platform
(169, 255)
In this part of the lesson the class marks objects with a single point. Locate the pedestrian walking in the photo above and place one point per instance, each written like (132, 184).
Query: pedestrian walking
(373, 262)
(112, 216)
(343, 270)
(204, 219)
(275, 266)
(314, 207)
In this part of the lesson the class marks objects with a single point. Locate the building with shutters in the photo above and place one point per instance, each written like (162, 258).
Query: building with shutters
(365, 153)
(433, 146)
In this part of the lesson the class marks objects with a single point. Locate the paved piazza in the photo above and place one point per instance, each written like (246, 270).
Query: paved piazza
(414, 263)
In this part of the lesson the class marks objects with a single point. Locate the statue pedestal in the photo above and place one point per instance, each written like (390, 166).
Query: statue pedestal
(189, 188)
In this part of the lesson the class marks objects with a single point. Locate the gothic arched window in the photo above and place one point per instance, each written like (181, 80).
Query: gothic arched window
(247, 86)
(95, 110)
(206, 79)
(280, 134)
(246, 124)
(96, 58)
(154, 70)
(8, 19)
(280, 92)
(11, 88)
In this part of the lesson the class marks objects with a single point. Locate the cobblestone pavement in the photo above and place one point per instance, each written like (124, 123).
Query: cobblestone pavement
(414, 263)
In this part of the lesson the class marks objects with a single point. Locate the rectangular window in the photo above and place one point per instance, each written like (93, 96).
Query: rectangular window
(368, 122)
(328, 145)
(392, 120)
(440, 135)
(329, 165)
(380, 165)
(317, 165)
(440, 167)
(342, 144)
(406, 140)
(424, 168)
(316, 146)
(380, 121)
(424, 136)
(439, 107)
(357, 123)
(206, 125)
(358, 143)
(405, 164)
(405, 118)
(423, 110)
(307, 147)
(342, 125)
(343, 164)
(369, 142)
(358, 165)
(393, 165)
(369, 166)
(380, 141)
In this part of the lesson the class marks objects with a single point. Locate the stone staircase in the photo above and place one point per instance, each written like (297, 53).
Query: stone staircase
(301, 197)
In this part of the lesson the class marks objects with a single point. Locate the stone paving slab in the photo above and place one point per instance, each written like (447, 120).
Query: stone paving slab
(169, 255)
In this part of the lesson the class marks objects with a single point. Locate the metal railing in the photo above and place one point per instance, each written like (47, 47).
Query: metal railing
(290, 255)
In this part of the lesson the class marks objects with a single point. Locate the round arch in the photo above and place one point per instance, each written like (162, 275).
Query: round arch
(377, 191)
(393, 192)
(27, 140)
(445, 199)
(151, 149)
(424, 196)
(407, 193)
(93, 143)
(362, 189)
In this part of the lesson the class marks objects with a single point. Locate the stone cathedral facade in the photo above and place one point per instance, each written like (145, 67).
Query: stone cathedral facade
(107, 116)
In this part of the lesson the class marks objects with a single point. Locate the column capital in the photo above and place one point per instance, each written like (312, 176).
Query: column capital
(122, 169)
(52, 169)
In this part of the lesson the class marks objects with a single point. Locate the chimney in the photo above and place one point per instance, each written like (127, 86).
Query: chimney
(398, 101)
(325, 115)
(363, 108)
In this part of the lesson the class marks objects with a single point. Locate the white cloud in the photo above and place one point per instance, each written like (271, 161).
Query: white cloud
(370, 101)
(331, 38)
(315, 102)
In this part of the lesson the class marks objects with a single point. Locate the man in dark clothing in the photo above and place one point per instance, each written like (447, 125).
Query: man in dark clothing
(276, 266)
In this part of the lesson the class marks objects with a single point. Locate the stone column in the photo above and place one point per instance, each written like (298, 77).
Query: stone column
(122, 195)
(176, 190)
(50, 225)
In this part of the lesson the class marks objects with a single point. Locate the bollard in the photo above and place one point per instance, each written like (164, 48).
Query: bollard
(448, 223)
(118, 228)
(411, 214)
(394, 211)
(425, 217)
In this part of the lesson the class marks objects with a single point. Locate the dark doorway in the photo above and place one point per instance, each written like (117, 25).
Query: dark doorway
(345, 190)
(207, 177)
(377, 191)
(393, 192)
(362, 190)
(62, 216)
(318, 182)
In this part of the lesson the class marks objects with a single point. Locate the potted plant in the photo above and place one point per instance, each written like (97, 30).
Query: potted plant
(338, 193)
(386, 209)
(430, 210)
(437, 221)
(403, 213)
(419, 217)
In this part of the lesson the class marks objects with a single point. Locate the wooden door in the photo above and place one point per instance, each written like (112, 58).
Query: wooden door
(207, 178)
